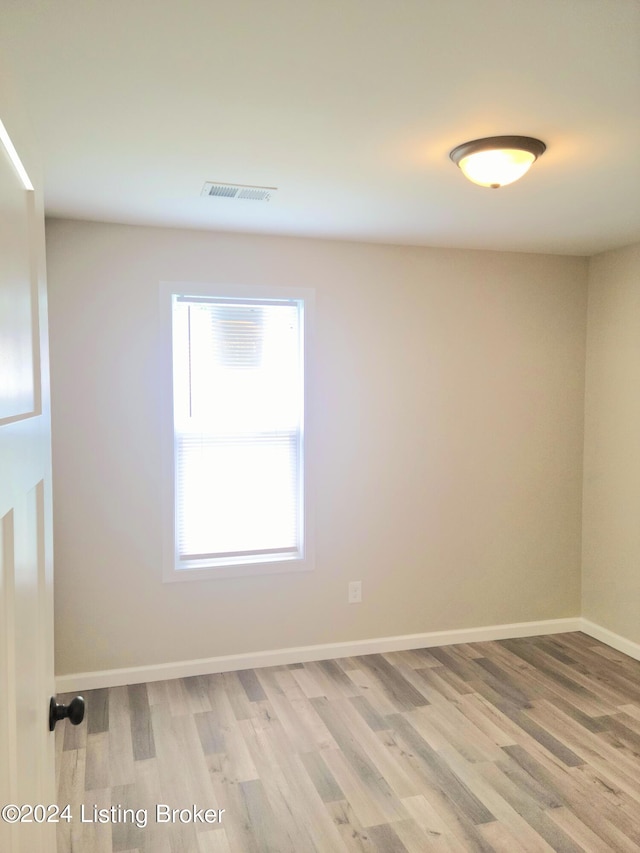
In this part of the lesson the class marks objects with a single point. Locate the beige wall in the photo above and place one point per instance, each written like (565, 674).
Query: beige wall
(449, 406)
(611, 531)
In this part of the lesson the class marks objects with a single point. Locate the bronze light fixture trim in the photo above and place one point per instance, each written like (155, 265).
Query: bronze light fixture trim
(497, 160)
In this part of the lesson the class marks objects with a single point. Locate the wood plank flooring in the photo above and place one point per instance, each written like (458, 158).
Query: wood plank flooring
(520, 745)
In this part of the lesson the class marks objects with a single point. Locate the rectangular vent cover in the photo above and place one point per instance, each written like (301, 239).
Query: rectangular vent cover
(238, 191)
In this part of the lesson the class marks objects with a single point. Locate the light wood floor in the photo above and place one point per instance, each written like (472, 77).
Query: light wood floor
(529, 745)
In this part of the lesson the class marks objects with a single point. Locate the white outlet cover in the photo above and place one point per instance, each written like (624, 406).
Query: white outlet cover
(355, 592)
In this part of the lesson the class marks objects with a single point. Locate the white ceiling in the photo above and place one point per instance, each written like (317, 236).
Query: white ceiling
(349, 107)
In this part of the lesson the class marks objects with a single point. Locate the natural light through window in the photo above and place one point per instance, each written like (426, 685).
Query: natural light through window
(238, 406)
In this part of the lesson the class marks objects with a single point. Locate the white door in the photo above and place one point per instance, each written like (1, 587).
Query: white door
(27, 776)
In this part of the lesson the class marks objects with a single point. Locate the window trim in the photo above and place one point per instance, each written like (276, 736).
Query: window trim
(169, 289)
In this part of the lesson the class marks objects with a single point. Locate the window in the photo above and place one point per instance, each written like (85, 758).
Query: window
(239, 480)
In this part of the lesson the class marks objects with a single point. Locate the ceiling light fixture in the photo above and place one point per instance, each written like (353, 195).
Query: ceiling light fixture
(497, 160)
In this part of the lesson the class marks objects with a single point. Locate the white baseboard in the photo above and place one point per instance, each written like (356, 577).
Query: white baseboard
(628, 647)
(301, 654)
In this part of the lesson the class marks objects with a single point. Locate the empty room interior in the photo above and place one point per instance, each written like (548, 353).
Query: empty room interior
(335, 512)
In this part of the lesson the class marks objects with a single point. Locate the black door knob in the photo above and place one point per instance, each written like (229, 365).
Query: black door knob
(74, 711)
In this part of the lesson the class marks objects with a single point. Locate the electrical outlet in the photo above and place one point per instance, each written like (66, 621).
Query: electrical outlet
(355, 592)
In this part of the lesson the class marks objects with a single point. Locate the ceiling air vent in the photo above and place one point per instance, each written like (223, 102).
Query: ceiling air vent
(239, 191)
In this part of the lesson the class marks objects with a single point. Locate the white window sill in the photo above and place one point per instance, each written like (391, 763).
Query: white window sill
(269, 567)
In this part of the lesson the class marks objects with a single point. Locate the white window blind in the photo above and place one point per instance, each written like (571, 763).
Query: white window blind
(238, 429)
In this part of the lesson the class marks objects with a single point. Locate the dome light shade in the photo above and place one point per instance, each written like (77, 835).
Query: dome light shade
(498, 160)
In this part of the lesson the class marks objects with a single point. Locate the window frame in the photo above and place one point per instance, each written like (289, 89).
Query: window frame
(234, 568)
